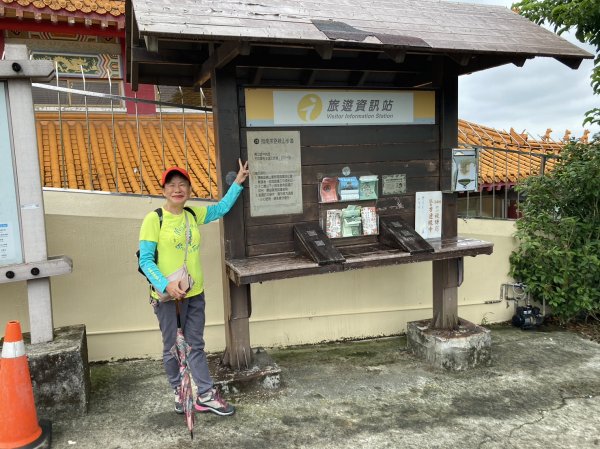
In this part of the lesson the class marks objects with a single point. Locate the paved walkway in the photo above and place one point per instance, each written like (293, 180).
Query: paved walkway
(541, 391)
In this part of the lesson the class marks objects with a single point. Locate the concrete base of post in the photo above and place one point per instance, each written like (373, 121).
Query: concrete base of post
(455, 350)
(60, 374)
(263, 373)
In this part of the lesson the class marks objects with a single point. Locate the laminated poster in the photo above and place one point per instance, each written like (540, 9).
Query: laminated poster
(275, 172)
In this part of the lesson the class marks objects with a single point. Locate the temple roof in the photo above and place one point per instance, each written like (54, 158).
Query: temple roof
(104, 12)
(504, 158)
(97, 169)
(112, 7)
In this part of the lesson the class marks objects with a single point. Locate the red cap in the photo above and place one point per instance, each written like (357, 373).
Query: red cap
(179, 170)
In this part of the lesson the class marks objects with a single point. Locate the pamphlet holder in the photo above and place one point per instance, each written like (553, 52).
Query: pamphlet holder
(396, 233)
(311, 240)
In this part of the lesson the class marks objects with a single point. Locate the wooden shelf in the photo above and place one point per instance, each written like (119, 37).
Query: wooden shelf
(289, 265)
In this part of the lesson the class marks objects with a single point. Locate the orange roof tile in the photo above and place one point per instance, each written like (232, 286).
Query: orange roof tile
(496, 166)
(113, 7)
(522, 158)
(70, 163)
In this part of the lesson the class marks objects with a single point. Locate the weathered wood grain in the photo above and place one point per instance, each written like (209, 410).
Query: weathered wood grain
(464, 28)
(288, 265)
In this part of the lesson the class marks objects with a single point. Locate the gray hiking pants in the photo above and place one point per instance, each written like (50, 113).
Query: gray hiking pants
(191, 311)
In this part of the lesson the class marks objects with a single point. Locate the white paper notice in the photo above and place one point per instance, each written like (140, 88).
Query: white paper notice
(428, 214)
(275, 173)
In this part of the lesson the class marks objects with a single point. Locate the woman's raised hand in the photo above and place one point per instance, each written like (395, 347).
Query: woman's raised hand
(243, 172)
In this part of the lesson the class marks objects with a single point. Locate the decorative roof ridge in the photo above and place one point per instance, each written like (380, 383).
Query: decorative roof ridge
(545, 142)
(103, 10)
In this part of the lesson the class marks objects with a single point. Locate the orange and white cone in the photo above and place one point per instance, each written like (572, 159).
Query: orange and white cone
(19, 426)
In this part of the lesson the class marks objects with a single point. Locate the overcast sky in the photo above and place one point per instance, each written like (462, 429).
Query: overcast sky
(544, 93)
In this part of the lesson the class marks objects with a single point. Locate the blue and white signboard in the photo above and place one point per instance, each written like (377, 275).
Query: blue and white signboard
(10, 231)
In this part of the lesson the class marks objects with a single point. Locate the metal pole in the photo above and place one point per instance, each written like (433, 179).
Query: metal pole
(141, 162)
(506, 148)
(162, 140)
(530, 158)
(184, 129)
(478, 160)
(112, 115)
(542, 165)
(493, 184)
(518, 180)
(87, 123)
(506, 181)
(203, 100)
(60, 129)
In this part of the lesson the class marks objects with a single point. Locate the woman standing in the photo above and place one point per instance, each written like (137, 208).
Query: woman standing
(176, 238)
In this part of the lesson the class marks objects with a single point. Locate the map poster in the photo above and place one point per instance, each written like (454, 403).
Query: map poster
(275, 173)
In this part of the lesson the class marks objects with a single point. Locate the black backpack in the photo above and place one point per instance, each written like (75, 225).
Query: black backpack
(159, 212)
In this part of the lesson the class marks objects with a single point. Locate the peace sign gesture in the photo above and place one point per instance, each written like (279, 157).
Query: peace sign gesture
(243, 172)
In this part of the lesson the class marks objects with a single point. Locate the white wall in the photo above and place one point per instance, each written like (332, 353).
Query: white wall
(107, 294)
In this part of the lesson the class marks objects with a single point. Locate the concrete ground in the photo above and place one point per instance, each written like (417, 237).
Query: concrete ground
(541, 391)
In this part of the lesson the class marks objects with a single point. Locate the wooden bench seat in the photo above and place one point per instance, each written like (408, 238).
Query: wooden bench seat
(288, 265)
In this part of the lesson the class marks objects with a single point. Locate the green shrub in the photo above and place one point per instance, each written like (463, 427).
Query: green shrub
(558, 256)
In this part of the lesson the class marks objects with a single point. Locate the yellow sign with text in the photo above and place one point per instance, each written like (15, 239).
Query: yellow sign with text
(304, 107)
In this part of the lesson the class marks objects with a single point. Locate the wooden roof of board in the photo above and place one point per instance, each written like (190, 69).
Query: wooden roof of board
(352, 42)
(424, 25)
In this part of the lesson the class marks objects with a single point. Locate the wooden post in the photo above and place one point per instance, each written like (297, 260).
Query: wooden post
(236, 299)
(446, 272)
(447, 104)
(445, 303)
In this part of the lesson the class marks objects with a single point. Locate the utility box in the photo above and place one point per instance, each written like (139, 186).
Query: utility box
(464, 170)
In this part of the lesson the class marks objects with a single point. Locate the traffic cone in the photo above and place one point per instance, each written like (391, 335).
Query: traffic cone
(19, 426)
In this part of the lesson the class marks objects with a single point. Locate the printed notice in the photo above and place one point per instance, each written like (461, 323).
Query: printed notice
(428, 214)
(7, 244)
(10, 233)
(393, 184)
(275, 173)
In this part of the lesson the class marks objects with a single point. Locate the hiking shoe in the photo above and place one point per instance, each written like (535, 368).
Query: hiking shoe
(211, 401)
(178, 403)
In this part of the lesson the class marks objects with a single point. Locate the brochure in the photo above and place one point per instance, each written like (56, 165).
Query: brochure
(348, 187)
(351, 221)
(368, 187)
(333, 226)
(369, 220)
(328, 191)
